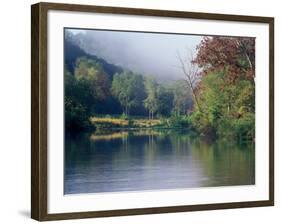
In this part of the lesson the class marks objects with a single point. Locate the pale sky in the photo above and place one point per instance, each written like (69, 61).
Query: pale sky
(147, 53)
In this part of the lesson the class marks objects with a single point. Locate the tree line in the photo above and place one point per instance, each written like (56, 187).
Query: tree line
(89, 91)
(216, 96)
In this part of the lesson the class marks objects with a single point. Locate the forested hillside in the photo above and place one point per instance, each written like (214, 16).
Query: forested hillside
(94, 87)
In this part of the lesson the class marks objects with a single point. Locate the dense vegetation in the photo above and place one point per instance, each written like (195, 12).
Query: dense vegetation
(220, 102)
(226, 92)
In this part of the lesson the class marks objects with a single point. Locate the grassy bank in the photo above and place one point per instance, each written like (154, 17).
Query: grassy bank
(104, 122)
(121, 122)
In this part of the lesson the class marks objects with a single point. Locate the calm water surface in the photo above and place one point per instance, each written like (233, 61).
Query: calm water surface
(149, 160)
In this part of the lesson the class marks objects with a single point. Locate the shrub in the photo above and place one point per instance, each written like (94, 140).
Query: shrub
(124, 116)
(225, 128)
(76, 117)
(245, 125)
(201, 123)
(179, 121)
(235, 128)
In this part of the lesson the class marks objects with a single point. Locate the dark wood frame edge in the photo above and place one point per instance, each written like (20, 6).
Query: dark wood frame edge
(38, 112)
(39, 207)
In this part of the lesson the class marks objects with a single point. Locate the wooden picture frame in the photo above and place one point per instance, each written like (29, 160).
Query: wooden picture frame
(39, 110)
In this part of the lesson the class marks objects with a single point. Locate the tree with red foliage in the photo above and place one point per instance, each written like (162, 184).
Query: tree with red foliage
(233, 55)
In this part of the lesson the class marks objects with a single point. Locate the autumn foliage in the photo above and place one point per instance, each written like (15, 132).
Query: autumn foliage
(235, 56)
(226, 91)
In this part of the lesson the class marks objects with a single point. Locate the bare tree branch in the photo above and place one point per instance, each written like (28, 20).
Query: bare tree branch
(191, 73)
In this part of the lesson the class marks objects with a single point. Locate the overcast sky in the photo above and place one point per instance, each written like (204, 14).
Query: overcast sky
(147, 53)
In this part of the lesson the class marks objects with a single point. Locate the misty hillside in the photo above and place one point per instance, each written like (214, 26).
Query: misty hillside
(150, 54)
(72, 51)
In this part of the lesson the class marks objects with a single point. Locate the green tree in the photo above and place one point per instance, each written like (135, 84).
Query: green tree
(151, 102)
(227, 107)
(165, 97)
(91, 71)
(128, 88)
(76, 101)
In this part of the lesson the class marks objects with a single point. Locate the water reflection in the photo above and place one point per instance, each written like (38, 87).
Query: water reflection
(148, 159)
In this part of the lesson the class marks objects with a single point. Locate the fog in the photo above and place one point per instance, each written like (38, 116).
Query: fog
(150, 54)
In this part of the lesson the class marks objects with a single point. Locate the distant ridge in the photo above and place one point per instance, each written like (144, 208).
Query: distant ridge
(72, 52)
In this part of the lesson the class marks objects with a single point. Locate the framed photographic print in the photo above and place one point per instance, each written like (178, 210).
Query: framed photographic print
(139, 111)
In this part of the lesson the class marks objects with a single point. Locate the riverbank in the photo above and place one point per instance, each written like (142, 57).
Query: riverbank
(178, 123)
(140, 123)
(108, 122)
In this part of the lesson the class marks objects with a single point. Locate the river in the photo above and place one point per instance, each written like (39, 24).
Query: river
(114, 161)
